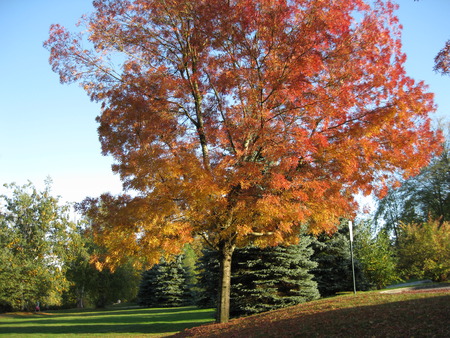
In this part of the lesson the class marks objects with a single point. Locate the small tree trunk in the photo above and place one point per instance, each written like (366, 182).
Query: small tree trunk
(22, 297)
(223, 304)
(80, 304)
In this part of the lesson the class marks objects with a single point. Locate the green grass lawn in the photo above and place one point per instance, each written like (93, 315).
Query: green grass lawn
(118, 322)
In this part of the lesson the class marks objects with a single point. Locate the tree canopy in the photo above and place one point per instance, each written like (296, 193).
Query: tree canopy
(420, 198)
(377, 256)
(36, 238)
(239, 121)
(424, 250)
(442, 60)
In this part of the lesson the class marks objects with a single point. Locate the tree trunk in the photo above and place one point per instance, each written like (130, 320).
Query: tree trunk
(226, 250)
(22, 297)
(80, 297)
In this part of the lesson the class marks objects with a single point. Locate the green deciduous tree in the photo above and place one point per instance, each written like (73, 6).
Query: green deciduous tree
(377, 256)
(35, 241)
(424, 250)
(90, 286)
(108, 287)
(80, 273)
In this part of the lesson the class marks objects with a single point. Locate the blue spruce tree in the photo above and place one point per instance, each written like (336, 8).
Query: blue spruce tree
(165, 285)
(262, 279)
(272, 278)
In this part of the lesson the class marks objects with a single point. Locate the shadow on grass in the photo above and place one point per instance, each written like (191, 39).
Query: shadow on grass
(144, 320)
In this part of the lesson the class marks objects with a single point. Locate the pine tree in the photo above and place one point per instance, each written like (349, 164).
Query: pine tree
(272, 278)
(190, 257)
(334, 271)
(164, 285)
(208, 278)
(146, 294)
(262, 279)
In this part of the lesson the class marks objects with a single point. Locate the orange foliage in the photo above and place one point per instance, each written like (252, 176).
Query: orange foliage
(242, 120)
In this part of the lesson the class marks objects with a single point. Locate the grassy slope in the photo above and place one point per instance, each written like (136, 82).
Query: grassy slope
(370, 314)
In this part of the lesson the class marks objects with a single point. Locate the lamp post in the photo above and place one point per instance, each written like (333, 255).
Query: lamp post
(350, 227)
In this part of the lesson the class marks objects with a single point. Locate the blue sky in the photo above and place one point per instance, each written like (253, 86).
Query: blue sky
(49, 129)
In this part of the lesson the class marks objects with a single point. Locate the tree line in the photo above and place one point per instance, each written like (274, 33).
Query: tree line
(47, 258)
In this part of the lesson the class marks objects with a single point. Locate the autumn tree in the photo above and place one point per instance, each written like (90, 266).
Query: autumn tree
(442, 60)
(239, 121)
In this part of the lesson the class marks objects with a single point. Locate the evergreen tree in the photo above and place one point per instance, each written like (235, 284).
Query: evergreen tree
(262, 279)
(272, 278)
(146, 294)
(189, 260)
(165, 285)
(334, 271)
(208, 278)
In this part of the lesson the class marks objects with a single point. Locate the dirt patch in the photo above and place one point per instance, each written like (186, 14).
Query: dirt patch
(25, 314)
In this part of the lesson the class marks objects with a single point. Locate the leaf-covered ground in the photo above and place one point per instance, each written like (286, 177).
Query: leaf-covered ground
(369, 314)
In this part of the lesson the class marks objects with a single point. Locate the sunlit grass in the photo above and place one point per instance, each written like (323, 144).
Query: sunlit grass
(141, 321)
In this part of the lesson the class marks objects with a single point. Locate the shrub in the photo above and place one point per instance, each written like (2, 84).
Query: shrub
(424, 250)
